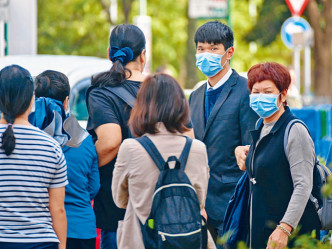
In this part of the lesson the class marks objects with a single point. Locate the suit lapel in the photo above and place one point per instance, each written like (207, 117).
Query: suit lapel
(222, 98)
(198, 113)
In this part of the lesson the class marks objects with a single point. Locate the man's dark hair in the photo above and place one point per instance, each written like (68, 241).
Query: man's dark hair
(52, 84)
(216, 33)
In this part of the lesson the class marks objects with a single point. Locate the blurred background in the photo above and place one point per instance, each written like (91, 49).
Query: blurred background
(82, 27)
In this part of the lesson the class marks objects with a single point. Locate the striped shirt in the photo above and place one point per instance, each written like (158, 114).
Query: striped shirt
(36, 164)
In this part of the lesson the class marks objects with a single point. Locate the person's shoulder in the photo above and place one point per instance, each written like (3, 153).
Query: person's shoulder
(242, 82)
(96, 93)
(299, 129)
(198, 145)
(130, 143)
(241, 86)
(200, 90)
(45, 139)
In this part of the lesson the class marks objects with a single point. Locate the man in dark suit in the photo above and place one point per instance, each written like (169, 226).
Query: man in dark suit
(221, 116)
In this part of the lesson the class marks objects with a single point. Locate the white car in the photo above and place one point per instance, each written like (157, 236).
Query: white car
(78, 69)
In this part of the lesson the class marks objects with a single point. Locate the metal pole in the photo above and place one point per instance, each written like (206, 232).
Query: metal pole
(114, 11)
(142, 7)
(2, 38)
(297, 66)
(307, 69)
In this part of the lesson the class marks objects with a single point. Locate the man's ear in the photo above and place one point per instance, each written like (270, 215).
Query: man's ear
(142, 57)
(108, 53)
(66, 103)
(229, 54)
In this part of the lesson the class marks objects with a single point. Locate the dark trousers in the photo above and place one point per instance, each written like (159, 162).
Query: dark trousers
(38, 245)
(215, 233)
(81, 243)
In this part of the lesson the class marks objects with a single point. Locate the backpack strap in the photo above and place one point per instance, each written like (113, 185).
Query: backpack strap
(286, 136)
(185, 153)
(152, 150)
(123, 94)
(288, 128)
(119, 91)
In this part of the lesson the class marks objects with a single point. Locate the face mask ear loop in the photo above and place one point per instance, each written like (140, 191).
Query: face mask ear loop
(280, 101)
(223, 56)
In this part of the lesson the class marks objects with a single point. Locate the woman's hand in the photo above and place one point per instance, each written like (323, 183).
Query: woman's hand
(204, 214)
(241, 155)
(279, 238)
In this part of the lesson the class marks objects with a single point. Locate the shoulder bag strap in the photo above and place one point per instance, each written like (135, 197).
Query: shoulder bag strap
(185, 153)
(286, 136)
(152, 150)
(123, 94)
(288, 128)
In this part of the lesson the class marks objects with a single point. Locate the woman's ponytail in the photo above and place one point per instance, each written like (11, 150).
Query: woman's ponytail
(16, 92)
(118, 72)
(126, 44)
(8, 138)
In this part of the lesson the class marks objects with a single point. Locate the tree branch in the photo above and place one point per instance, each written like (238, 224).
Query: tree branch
(106, 8)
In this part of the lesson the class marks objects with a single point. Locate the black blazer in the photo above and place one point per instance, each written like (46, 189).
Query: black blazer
(228, 127)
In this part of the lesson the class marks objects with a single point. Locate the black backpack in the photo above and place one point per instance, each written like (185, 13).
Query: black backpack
(175, 221)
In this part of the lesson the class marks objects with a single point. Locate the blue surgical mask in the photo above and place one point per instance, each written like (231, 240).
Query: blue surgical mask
(265, 105)
(209, 63)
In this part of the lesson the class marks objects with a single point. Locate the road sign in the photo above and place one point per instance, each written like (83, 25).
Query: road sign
(296, 7)
(293, 25)
(208, 9)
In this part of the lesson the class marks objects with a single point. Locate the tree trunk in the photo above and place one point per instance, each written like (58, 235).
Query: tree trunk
(322, 67)
(321, 22)
(126, 4)
(191, 69)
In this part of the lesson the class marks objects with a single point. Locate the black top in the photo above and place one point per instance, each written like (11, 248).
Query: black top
(105, 107)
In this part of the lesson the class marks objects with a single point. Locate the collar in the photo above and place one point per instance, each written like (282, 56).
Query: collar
(220, 82)
(283, 118)
(163, 131)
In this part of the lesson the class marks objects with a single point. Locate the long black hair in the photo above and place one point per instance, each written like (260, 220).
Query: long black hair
(126, 44)
(16, 91)
(52, 84)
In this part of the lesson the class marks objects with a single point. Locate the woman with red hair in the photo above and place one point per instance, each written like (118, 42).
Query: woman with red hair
(281, 179)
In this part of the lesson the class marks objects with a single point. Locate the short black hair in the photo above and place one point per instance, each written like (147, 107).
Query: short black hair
(52, 84)
(215, 32)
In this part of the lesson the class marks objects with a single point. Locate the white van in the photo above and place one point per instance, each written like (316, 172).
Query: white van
(78, 69)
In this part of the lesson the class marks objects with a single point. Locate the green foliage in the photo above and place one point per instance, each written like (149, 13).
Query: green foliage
(247, 53)
(78, 27)
(72, 27)
(271, 16)
(169, 32)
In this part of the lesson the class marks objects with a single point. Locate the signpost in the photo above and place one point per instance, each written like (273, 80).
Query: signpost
(291, 26)
(297, 7)
(208, 9)
(3, 23)
(296, 33)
